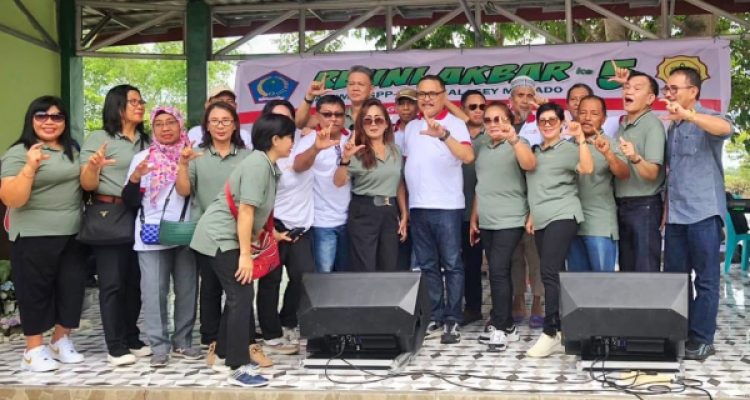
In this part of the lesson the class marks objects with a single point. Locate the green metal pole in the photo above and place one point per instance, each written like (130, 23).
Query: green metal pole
(197, 51)
(71, 67)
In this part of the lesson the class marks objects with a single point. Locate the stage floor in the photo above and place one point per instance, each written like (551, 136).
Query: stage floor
(725, 375)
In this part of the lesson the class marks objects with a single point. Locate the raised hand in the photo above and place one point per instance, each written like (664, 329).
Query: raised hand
(602, 144)
(574, 130)
(99, 159)
(317, 88)
(538, 100)
(350, 149)
(434, 128)
(188, 154)
(675, 112)
(35, 156)
(628, 149)
(621, 74)
(140, 171)
(323, 140)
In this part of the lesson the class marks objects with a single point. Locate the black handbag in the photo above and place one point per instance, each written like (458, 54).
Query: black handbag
(106, 223)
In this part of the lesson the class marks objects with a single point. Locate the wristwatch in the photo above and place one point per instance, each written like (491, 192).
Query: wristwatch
(344, 164)
(445, 136)
(637, 161)
(309, 101)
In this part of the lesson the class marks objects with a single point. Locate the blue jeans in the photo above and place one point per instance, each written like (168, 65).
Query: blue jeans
(436, 238)
(638, 219)
(592, 253)
(331, 249)
(695, 248)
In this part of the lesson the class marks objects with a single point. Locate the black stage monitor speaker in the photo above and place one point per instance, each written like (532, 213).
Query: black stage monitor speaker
(372, 315)
(627, 316)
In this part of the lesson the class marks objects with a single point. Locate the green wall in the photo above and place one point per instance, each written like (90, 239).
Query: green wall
(27, 71)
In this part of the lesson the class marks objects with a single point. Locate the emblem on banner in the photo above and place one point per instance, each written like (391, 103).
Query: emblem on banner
(669, 63)
(272, 86)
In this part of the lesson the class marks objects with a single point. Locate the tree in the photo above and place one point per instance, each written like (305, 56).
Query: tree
(289, 43)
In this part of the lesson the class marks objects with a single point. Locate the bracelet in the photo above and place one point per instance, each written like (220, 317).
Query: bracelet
(445, 136)
(309, 101)
(344, 164)
(639, 160)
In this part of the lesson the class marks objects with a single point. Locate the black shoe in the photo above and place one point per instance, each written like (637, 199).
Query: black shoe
(471, 316)
(136, 345)
(451, 334)
(698, 351)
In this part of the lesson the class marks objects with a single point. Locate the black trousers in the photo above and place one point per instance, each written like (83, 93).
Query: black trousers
(209, 299)
(640, 237)
(49, 276)
(298, 259)
(373, 235)
(553, 243)
(499, 246)
(472, 257)
(237, 326)
(119, 295)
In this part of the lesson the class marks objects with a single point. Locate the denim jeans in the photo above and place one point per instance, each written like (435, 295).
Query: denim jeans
(592, 253)
(437, 247)
(695, 248)
(331, 249)
(640, 237)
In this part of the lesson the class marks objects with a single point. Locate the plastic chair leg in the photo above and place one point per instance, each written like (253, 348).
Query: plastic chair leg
(744, 253)
(728, 254)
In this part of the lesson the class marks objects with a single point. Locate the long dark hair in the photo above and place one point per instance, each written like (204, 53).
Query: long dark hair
(114, 106)
(28, 135)
(367, 154)
(236, 139)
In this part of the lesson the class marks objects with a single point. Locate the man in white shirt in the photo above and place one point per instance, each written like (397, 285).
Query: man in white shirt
(406, 105)
(221, 93)
(435, 147)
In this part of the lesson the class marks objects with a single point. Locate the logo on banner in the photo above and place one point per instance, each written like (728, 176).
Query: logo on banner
(670, 63)
(272, 86)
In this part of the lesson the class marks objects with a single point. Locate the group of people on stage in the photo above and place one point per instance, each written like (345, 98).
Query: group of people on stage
(538, 189)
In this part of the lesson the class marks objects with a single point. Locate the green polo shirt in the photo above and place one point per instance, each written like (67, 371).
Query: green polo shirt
(208, 173)
(596, 192)
(54, 207)
(501, 186)
(553, 191)
(647, 135)
(253, 182)
(470, 176)
(119, 148)
(380, 180)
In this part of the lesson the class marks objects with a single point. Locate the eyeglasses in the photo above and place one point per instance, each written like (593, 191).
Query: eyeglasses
(332, 114)
(159, 125)
(222, 122)
(43, 117)
(550, 122)
(473, 107)
(379, 121)
(496, 120)
(673, 89)
(137, 102)
(429, 95)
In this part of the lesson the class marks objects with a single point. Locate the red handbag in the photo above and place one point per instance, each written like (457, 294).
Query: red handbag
(265, 249)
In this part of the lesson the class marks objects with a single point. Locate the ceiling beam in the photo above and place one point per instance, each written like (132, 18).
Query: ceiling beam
(472, 21)
(515, 18)
(440, 22)
(616, 18)
(718, 11)
(34, 23)
(30, 39)
(255, 32)
(132, 31)
(352, 24)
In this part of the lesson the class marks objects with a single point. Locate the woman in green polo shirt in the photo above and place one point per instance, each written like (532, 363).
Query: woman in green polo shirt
(40, 187)
(555, 211)
(377, 216)
(226, 243)
(105, 159)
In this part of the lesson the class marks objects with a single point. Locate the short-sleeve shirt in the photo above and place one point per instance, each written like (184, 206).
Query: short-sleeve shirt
(295, 200)
(695, 182)
(470, 176)
(433, 174)
(208, 173)
(120, 149)
(647, 135)
(501, 186)
(54, 206)
(552, 186)
(380, 180)
(399, 130)
(253, 183)
(596, 192)
(195, 134)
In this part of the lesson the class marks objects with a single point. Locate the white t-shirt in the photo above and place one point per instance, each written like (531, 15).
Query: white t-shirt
(331, 203)
(433, 174)
(294, 196)
(399, 130)
(195, 134)
(152, 212)
(530, 132)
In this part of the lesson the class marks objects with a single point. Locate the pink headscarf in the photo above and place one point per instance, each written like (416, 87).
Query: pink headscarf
(164, 157)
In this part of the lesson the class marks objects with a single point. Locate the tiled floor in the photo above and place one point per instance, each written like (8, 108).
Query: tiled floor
(725, 375)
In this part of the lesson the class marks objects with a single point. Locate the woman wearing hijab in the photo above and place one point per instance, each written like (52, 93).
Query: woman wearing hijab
(151, 188)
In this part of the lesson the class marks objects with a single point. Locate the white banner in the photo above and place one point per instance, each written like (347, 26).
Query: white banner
(555, 68)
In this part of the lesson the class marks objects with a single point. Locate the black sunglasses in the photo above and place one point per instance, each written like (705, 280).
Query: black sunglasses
(43, 117)
(473, 107)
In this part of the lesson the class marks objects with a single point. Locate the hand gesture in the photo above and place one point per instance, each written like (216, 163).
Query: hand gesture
(99, 159)
(187, 154)
(434, 128)
(628, 149)
(350, 149)
(529, 225)
(575, 131)
(35, 156)
(244, 273)
(403, 228)
(675, 111)
(602, 144)
(323, 140)
(538, 100)
(317, 88)
(473, 232)
(140, 171)
(621, 74)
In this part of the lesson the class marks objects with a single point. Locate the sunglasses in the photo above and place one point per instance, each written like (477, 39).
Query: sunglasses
(496, 120)
(42, 117)
(379, 121)
(332, 114)
(549, 122)
(473, 107)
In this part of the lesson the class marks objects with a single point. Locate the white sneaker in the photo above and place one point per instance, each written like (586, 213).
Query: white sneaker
(291, 335)
(499, 339)
(220, 365)
(434, 330)
(64, 351)
(485, 336)
(38, 360)
(280, 346)
(125, 359)
(546, 345)
(144, 351)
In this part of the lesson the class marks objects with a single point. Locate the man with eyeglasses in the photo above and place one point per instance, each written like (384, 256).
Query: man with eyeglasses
(320, 151)
(696, 203)
(641, 139)
(220, 93)
(435, 147)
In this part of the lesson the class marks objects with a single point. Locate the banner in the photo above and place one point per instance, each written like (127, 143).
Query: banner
(554, 67)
